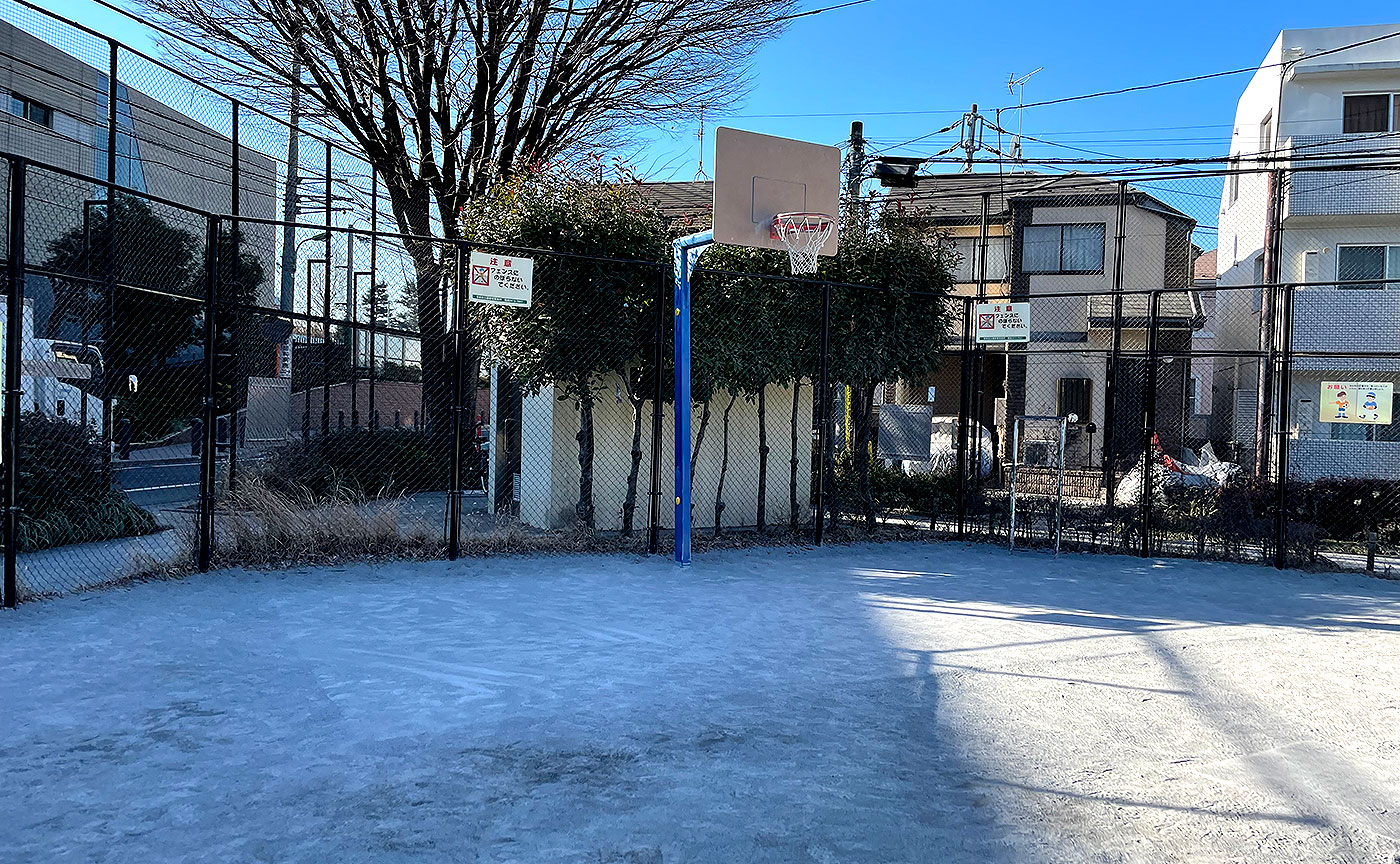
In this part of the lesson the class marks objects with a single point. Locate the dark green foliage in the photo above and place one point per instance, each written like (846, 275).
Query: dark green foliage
(923, 495)
(66, 489)
(1345, 508)
(894, 330)
(391, 371)
(361, 463)
(588, 318)
(157, 270)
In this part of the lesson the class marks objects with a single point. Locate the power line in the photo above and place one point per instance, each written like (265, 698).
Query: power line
(1206, 77)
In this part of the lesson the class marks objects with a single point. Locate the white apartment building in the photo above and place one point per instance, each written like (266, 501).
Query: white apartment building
(1321, 97)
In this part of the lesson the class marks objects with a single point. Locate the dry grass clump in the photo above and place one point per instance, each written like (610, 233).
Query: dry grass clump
(260, 527)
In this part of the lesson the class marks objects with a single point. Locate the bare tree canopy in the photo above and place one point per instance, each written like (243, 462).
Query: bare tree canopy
(443, 96)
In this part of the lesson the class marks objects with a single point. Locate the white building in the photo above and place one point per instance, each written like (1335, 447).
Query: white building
(1319, 97)
(49, 375)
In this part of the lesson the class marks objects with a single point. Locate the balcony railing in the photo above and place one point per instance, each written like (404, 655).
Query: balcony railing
(1363, 192)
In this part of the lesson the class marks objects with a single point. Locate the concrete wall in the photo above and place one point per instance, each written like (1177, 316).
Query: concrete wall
(549, 469)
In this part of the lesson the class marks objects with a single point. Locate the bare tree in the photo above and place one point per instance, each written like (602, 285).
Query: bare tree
(444, 96)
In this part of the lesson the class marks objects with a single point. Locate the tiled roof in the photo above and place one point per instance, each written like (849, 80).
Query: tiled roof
(1173, 307)
(690, 201)
(958, 197)
(1205, 265)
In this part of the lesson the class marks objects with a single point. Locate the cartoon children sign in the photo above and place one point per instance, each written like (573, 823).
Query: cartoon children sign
(1356, 402)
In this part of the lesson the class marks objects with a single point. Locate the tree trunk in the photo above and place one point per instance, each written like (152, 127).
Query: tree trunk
(723, 465)
(862, 397)
(832, 504)
(585, 457)
(629, 505)
(793, 512)
(435, 348)
(761, 517)
(699, 439)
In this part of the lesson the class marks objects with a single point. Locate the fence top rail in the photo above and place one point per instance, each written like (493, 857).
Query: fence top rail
(16, 159)
(447, 241)
(185, 76)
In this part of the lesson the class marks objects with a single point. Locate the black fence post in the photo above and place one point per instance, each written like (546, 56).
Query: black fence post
(822, 404)
(109, 254)
(14, 337)
(1285, 398)
(234, 356)
(658, 361)
(964, 427)
(1269, 301)
(1110, 394)
(1149, 425)
(207, 460)
(326, 315)
(373, 296)
(454, 503)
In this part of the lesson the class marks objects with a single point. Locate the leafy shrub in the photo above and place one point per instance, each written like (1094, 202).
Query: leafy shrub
(893, 491)
(65, 488)
(359, 462)
(1345, 508)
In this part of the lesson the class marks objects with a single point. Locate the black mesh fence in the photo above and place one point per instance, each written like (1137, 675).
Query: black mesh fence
(201, 387)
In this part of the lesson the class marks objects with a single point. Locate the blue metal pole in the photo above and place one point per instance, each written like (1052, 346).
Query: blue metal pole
(686, 252)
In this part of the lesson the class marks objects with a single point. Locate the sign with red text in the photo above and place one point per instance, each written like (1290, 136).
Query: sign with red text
(1356, 402)
(1003, 322)
(501, 280)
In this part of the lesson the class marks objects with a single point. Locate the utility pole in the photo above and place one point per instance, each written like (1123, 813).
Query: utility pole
(972, 136)
(289, 215)
(855, 175)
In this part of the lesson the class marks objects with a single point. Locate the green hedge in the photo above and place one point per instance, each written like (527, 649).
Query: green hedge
(893, 491)
(65, 488)
(359, 462)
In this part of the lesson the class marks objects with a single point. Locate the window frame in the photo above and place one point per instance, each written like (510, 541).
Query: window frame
(28, 108)
(1087, 397)
(1389, 113)
(997, 246)
(1388, 250)
(1061, 271)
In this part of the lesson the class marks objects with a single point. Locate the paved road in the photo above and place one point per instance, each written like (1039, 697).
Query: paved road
(159, 484)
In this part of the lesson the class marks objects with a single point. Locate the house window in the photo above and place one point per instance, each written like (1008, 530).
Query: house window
(1232, 183)
(966, 248)
(1193, 393)
(34, 112)
(1073, 248)
(61, 408)
(1266, 134)
(1367, 112)
(1073, 398)
(1355, 263)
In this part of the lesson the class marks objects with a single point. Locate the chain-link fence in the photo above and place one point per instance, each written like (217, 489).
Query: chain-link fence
(223, 351)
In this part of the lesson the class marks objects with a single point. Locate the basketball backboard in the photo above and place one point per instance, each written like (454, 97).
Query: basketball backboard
(759, 176)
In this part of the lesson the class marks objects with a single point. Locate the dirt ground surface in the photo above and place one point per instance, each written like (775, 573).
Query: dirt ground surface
(875, 703)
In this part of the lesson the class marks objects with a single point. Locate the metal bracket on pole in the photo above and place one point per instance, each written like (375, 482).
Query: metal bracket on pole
(686, 251)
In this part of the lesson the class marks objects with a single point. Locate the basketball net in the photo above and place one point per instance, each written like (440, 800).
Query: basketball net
(803, 234)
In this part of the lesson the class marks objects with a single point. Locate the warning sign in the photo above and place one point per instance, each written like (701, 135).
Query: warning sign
(501, 280)
(1003, 322)
(1356, 402)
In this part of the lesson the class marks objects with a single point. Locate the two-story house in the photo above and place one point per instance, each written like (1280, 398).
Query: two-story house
(1052, 240)
(1322, 99)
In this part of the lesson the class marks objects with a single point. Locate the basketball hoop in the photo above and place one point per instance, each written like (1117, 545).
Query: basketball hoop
(803, 234)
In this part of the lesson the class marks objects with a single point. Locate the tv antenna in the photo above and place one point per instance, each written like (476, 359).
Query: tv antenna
(700, 168)
(1017, 87)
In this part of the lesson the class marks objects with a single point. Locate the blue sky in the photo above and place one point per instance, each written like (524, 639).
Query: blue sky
(863, 62)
